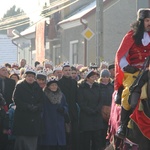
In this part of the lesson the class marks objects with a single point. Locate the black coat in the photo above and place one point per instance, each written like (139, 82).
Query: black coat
(69, 87)
(106, 92)
(90, 107)
(8, 89)
(27, 121)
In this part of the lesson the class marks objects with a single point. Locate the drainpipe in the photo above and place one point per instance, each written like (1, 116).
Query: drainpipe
(85, 43)
(17, 48)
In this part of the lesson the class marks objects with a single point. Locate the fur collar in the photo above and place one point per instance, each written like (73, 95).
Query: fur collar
(54, 97)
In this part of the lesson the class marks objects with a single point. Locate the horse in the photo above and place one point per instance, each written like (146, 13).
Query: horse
(138, 134)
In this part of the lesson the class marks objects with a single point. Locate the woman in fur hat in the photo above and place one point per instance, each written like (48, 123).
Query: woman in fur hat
(55, 108)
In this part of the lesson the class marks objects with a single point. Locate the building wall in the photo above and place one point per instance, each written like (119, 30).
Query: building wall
(8, 51)
(67, 38)
(117, 20)
(75, 7)
(79, 4)
(143, 4)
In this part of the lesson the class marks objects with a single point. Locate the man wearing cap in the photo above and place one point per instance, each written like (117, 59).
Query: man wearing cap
(69, 87)
(7, 85)
(132, 52)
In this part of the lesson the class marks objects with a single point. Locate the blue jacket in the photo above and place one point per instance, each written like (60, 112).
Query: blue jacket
(54, 123)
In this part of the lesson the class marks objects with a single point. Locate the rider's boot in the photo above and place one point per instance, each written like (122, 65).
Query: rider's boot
(121, 132)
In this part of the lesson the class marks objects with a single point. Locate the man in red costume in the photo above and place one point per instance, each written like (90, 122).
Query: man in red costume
(133, 50)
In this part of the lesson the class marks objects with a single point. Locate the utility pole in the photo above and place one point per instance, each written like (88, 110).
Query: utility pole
(99, 30)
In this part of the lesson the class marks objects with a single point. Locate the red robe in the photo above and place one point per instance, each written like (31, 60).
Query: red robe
(124, 47)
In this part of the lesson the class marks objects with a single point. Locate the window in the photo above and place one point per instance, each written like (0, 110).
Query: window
(73, 52)
(56, 55)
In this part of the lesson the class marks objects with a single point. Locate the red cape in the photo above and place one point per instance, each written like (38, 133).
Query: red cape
(124, 47)
(142, 121)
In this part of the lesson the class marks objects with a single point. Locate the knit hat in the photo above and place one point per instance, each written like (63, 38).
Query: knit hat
(143, 13)
(51, 80)
(105, 73)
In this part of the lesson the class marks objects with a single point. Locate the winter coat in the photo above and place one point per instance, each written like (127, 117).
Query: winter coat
(7, 90)
(106, 91)
(54, 123)
(27, 121)
(90, 107)
(69, 88)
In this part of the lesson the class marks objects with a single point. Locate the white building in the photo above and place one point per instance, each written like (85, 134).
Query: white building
(8, 51)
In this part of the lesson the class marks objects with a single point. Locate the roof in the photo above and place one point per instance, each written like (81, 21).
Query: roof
(29, 30)
(85, 11)
(80, 13)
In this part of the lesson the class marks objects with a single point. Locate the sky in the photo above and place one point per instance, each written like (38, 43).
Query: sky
(29, 6)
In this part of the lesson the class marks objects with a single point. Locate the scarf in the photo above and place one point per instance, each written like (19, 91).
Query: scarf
(54, 97)
(146, 39)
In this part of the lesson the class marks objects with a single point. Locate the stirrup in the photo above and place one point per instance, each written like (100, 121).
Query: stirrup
(121, 132)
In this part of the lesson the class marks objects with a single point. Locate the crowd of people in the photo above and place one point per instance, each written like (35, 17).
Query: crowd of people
(60, 107)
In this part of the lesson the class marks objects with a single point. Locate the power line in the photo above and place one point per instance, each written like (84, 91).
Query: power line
(12, 19)
(26, 22)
